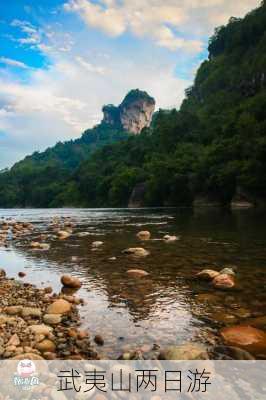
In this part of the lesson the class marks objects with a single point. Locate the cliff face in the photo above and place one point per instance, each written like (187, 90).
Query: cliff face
(133, 114)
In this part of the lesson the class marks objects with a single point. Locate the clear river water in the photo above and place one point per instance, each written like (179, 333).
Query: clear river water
(170, 306)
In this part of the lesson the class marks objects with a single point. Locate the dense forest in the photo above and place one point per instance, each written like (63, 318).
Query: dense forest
(214, 147)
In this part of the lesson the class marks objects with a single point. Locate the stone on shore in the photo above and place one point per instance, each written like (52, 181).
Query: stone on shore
(31, 312)
(41, 329)
(59, 306)
(207, 274)
(71, 281)
(46, 346)
(136, 252)
(27, 356)
(223, 281)
(137, 273)
(52, 319)
(2, 273)
(144, 235)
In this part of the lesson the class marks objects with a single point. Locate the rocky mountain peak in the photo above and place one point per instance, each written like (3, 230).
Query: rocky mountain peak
(133, 114)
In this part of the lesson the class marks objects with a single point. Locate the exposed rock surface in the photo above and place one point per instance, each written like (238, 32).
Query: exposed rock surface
(133, 114)
(137, 197)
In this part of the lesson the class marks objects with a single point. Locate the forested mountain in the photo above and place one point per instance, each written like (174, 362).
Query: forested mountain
(213, 148)
(39, 180)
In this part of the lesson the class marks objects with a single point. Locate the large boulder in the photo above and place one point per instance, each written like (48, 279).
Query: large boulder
(71, 281)
(246, 337)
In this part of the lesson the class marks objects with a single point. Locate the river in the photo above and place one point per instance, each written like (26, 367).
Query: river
(170, 307)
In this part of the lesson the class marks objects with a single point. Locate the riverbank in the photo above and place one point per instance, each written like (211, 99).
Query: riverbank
(38, 324)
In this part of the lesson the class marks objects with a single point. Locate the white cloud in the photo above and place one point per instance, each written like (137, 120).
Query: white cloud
(64, 100)
(169, 23)
(13, 63)
(32, 35)
(90, 67)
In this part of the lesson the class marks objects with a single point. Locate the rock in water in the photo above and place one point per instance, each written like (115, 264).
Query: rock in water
(187, 351)
(228, 271)
(144, 235)
(136, 252)
(63, 235)
(223, 281)
(71, 281)
(246, 337)
(169, 238)
(137, 273)
(59, 307)
(97, 244)
(207, 274)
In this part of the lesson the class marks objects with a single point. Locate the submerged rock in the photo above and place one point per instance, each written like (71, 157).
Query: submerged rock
(223, 281)
(169, 238)
(71, 281)
(137, 273)
(144, 235)
(187, 351)
(246, 337)
(136, 251)
(207, 274)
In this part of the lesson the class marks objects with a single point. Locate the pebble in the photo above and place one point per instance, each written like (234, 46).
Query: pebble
(98, 339)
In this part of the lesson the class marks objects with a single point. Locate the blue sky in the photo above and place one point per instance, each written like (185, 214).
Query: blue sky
(60, 61)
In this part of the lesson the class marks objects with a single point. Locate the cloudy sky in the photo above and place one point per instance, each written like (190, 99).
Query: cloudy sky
(60, 61)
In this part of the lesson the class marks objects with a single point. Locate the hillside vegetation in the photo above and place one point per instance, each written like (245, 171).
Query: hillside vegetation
(214, 147)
